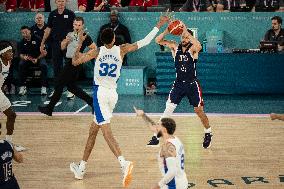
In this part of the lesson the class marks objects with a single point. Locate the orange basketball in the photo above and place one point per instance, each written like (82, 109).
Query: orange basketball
(175, 27)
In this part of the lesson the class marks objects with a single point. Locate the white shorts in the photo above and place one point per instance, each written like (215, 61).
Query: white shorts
(104, 101)
(4, 102)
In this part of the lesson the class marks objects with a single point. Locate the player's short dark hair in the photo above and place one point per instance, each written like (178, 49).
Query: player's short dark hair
(169, 124)
(4, 44)
(189, 31)
(107, 36)
(79, 18)
(25, 27)
(278, 18)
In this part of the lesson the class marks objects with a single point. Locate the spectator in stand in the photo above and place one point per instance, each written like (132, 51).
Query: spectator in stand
(33, 5)
(11, 5)
(230, 5)
(104, 5)
(144, 3)
(197, 6)
(73, 5)
(30, 55)
(122, 35)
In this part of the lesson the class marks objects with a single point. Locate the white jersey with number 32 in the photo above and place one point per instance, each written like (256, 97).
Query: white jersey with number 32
(107, 67)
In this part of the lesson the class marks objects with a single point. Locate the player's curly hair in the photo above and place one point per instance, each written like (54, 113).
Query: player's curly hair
(169, 124)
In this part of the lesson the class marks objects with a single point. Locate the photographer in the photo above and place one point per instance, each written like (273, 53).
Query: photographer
(104, 5)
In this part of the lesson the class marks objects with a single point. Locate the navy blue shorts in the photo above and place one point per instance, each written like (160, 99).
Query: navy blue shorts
(191, 90)
(10, 184)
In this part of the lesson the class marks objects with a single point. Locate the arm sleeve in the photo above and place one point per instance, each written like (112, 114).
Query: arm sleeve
(147, 40)
(172, 171)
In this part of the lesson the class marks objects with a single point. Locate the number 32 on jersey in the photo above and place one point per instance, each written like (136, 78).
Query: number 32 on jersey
(108, 70)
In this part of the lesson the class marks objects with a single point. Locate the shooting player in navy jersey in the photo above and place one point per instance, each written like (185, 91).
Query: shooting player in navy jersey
(186, 84)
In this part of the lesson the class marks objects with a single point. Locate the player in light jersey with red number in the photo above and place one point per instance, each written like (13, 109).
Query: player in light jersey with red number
(106, 73)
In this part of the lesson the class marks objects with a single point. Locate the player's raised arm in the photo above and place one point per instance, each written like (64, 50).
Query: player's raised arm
(126, 48)
(148, 120)
(196, 46)
(80, 58)
(162, 41)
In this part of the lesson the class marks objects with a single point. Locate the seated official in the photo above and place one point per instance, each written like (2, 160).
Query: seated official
(276, 33)
(30, 55)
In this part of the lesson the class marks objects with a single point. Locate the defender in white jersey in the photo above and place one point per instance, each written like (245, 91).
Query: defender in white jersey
(6, 56)
(106, 73)
(171, 156)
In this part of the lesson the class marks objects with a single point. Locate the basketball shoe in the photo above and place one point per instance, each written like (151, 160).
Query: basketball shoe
(207, 140)
(127, 173)
(78, 170)
(154, 142)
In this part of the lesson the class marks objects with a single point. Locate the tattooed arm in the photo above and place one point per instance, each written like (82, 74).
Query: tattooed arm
(152, 124)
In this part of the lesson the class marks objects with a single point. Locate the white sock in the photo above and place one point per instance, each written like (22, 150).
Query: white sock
(121, 160)
(82, 164)
(9, 138)
(207, 130)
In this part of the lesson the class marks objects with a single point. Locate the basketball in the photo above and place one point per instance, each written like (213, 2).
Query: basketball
(175, 27)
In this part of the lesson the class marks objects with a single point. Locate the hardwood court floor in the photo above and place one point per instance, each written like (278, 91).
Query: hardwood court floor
(242, 147)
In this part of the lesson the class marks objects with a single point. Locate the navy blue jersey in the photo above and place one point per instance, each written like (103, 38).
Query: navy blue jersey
(6, 156)
(185, 66)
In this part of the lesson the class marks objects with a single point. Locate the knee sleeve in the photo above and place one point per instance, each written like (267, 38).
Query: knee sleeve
(170, 108)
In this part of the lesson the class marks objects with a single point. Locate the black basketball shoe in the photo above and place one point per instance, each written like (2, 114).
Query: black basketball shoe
(207, 140)
(154, 142)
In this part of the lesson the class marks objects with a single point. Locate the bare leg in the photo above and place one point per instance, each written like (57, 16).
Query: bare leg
(93, 132)
(11, 117)
(112, 143)
(203, 117)
(274, 116)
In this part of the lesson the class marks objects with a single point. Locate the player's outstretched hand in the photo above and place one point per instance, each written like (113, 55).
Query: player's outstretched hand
(138, 112)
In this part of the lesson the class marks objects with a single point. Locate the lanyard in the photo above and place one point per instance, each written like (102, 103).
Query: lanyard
(116, 27)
